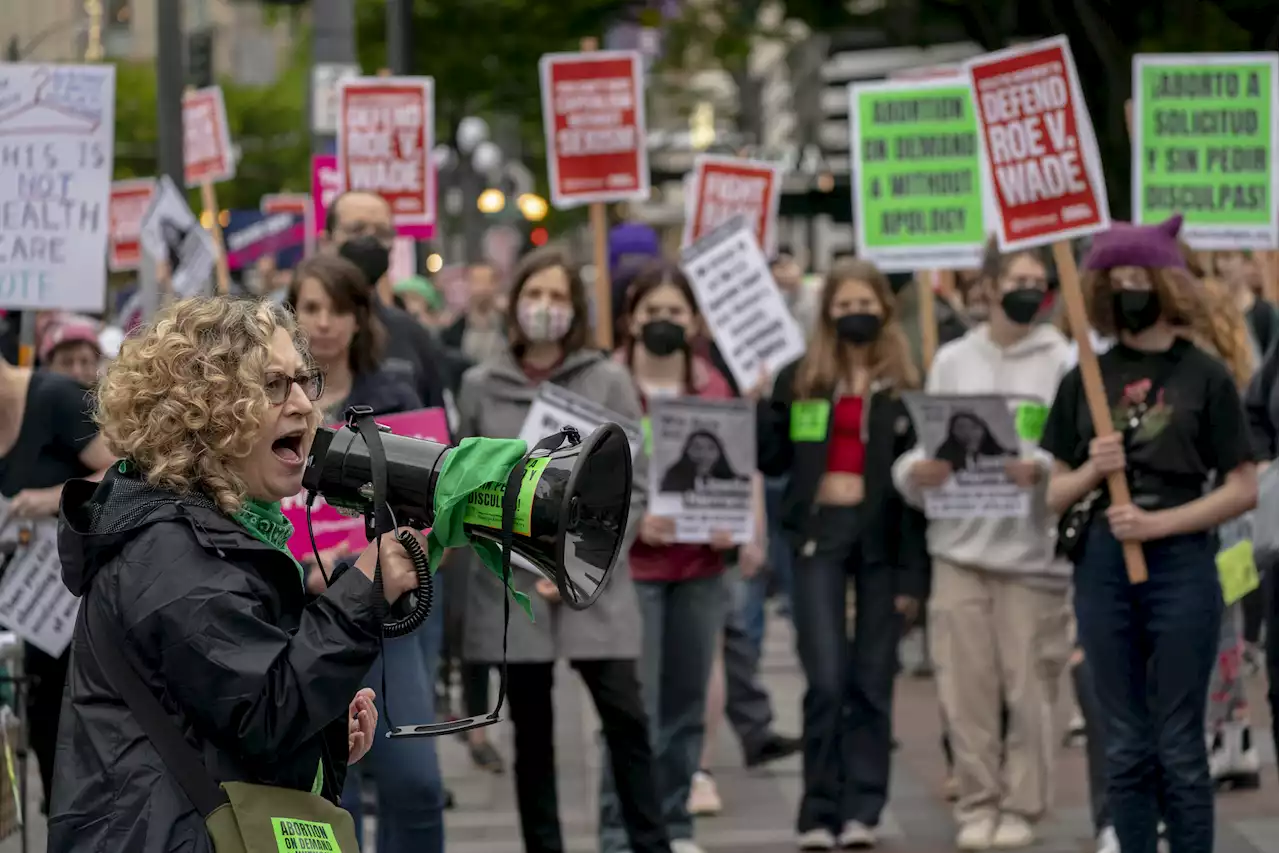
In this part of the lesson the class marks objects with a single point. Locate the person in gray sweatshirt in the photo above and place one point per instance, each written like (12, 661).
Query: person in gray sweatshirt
(998, 609)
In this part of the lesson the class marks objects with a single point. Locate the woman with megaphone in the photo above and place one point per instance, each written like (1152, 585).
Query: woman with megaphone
(547, 322)
(197, 661)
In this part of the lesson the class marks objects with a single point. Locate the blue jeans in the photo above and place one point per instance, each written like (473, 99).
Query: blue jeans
(1152, 648)
(406, 771)
(682, 621)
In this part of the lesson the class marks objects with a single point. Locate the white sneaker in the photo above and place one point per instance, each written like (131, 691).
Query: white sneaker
(976, 834)
(704, 799)
(685, 845)
(857, 836)
(1013, 831)
(1107, 840)
(813, 839)
(1233, 759)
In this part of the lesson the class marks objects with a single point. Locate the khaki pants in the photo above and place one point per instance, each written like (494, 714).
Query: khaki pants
(993, 637)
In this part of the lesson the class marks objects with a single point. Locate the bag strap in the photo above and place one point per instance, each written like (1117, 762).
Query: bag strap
(106, 643)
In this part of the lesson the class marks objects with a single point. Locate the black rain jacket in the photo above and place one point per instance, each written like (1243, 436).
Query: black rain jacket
(216, 625)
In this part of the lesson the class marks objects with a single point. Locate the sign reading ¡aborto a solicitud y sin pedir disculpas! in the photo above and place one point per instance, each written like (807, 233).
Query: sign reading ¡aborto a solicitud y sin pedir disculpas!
(1204, 145)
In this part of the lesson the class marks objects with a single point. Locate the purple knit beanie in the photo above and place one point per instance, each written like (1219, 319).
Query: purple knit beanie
(1129, 245)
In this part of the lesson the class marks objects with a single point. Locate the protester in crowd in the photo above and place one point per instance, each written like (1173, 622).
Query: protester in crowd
(631, 246)
(480, 333)
(998, 613)
(1151, 646)
(835, 424)
(1241, 272)
(547, 325)
(180, 553)
(70, 347)
(47, 437)
(801, 294)
(948, 313)
(334, 308)
(424, 302)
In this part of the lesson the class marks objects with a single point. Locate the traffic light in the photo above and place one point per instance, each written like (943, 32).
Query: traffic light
(200, 58)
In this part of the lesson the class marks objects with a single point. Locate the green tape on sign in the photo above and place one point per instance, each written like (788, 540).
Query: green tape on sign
(1204, 146)
(646, 426)
(305, 835)
(484, 505)
(809, 420)
(919, 186)
(1029, 420)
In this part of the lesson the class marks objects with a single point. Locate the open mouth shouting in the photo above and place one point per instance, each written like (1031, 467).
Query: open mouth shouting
(288, 448)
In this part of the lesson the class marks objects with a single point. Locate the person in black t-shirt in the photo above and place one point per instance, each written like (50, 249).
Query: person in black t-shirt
(1179, 425)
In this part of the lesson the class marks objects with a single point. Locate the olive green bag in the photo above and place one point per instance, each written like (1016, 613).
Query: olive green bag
(240, 817)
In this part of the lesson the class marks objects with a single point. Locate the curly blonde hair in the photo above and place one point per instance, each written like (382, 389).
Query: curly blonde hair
(184, 400)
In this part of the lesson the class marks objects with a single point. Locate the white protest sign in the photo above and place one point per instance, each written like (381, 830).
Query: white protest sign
(977, 436)
(704, 452)
(741, 302)
(34, 602)
(325, 77)
(57, 125)
(555, 407)
(171, 232)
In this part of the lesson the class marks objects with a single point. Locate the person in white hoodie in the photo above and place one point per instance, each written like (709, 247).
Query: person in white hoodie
(999, 603)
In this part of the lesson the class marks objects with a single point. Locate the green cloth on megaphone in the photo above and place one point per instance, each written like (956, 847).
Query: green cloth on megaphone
(472, 465)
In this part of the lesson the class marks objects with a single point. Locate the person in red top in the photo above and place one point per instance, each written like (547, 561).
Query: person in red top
(680, 586)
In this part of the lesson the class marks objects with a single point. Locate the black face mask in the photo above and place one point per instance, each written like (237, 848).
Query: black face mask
(1021, 306)
(373, 258)
(662, 337)
(858, 328)
(1136, 310)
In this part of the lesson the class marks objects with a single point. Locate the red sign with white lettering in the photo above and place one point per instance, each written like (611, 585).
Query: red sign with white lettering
(593, 116)
(385, 136)
(1040, 156)
(206, 138)
(725, 187)
(297, 204)
(129, 203)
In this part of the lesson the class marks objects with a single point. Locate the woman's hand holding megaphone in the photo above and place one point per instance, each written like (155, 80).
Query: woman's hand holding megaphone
(398, 572)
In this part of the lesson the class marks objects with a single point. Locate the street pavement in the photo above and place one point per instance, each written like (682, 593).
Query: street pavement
(760, 805)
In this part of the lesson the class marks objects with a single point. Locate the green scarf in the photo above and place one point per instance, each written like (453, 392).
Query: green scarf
(266, 522)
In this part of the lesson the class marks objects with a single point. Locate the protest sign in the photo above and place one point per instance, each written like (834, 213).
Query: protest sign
(1039, 155)
(918, 200)
(251, 235)
(129, 203)
(326, 186)
(206, 138)
(332, 528)
(298, 204)
(977, 436)
(593, 118)
(386, 131)
(556, 407)
(741, 302)
(34, 602)
(1204, 145)
(725, 187)
(57, 125)
(170, 232)
(704, 452)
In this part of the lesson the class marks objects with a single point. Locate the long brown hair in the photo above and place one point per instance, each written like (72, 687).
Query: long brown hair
(890, 356)
(651, 275)
(346, 287)
(530, 265)
(1182, 303)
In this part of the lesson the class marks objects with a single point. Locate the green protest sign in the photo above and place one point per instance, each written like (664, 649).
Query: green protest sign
(1204, 145)
(917, 186)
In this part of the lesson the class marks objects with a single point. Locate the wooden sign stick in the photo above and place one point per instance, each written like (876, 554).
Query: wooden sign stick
(1094, 391)
(927, 317)
(600, 256)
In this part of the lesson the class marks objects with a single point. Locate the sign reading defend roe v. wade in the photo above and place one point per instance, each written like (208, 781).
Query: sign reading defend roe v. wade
(1040, 157)
(1204, 145)
(725, 187)
(386, 131)
(57, 124)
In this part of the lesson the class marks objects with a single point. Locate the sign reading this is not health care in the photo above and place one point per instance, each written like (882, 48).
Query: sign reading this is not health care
(918, 200)
(1204, 145)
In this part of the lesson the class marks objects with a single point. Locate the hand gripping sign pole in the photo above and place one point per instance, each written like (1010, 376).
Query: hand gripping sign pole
(600, 256)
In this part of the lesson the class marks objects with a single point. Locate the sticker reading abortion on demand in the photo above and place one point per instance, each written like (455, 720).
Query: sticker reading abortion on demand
(294, 835)
(918, 199)
(1039, 155)
(725, 187)
(1204, 145)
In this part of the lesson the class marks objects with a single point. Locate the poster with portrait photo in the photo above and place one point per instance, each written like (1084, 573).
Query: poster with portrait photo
(171, 232)
(977, 436)
(704, 453)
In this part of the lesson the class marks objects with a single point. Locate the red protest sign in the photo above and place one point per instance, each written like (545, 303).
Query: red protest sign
(206, 138)
(725, 187)
(129, 203)
(386, 130)
(297, 204)
(593, 117)
(1040, 157)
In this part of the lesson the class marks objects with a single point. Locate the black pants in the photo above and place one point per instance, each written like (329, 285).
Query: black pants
(848, 703)
(1270, 585)
(44, 705)
(1095, 743)
(615, 689)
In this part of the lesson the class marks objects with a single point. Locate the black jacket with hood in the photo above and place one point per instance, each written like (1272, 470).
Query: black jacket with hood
(216, 624)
